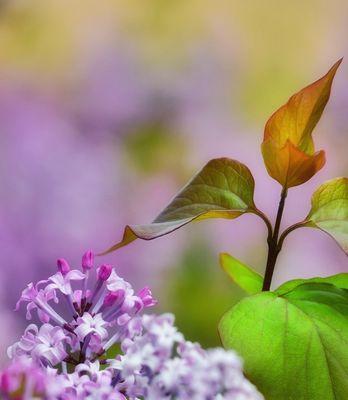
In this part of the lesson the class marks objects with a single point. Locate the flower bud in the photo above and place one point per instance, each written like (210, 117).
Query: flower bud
(114, 297)
(63, 266)
(146, 297)
(87, 260)
(104, 271)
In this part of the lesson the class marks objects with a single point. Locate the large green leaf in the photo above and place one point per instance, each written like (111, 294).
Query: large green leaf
(295, 346)
(244, 276)
(224, 188)
(329, 210)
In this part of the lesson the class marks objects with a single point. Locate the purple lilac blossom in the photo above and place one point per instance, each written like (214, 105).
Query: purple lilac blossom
(23, 379)
(100, 310)
(67, 358)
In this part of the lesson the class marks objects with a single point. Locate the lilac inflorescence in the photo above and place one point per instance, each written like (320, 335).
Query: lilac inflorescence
(159, 364)
(99, 314)
(68, 358)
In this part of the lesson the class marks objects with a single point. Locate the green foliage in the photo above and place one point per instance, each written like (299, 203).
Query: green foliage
(329, 210)
(294, 345)
(224, 188)
(294, 340)
(339, 280)
(245, 277)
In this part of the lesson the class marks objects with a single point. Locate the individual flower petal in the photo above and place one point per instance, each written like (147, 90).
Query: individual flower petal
(63, 282)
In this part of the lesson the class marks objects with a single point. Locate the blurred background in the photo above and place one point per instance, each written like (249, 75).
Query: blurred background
(108, 107)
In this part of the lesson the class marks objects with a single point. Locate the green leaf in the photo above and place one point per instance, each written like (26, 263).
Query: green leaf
(245, 277)
(295, 346)
(224, 188)
(329, 211)
(339, 280)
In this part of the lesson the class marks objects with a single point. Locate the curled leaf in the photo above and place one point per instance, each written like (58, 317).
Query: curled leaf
(338, 280)
(288, 148)
(329, 210)
(244, 276)
(224, 188)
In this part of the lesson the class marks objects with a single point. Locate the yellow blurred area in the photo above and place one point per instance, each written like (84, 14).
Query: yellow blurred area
(276, 43)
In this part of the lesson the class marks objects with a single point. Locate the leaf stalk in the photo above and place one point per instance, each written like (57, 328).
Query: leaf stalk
(265, 219)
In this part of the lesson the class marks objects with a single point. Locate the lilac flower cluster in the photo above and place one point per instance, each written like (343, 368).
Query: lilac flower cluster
(159, 364)
(100, 314)
(68, 358)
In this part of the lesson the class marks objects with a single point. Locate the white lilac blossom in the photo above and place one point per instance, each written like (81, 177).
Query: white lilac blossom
(68, 359)
(159, 364)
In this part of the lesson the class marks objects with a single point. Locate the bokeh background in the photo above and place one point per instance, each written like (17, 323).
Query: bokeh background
(108, 107)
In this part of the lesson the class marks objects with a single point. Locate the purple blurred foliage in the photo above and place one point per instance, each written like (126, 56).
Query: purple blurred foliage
(108, 93)
(63, 189)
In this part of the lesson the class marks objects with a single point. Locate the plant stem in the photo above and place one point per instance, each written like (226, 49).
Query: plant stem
(272, 240)
(266, 221)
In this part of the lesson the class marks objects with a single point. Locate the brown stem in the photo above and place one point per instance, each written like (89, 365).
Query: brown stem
(273, 248)
(265, 219)
(71, 360)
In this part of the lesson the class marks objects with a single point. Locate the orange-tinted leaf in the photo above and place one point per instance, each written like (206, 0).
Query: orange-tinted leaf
(224, 188)
(299, 166)
(288, 148)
